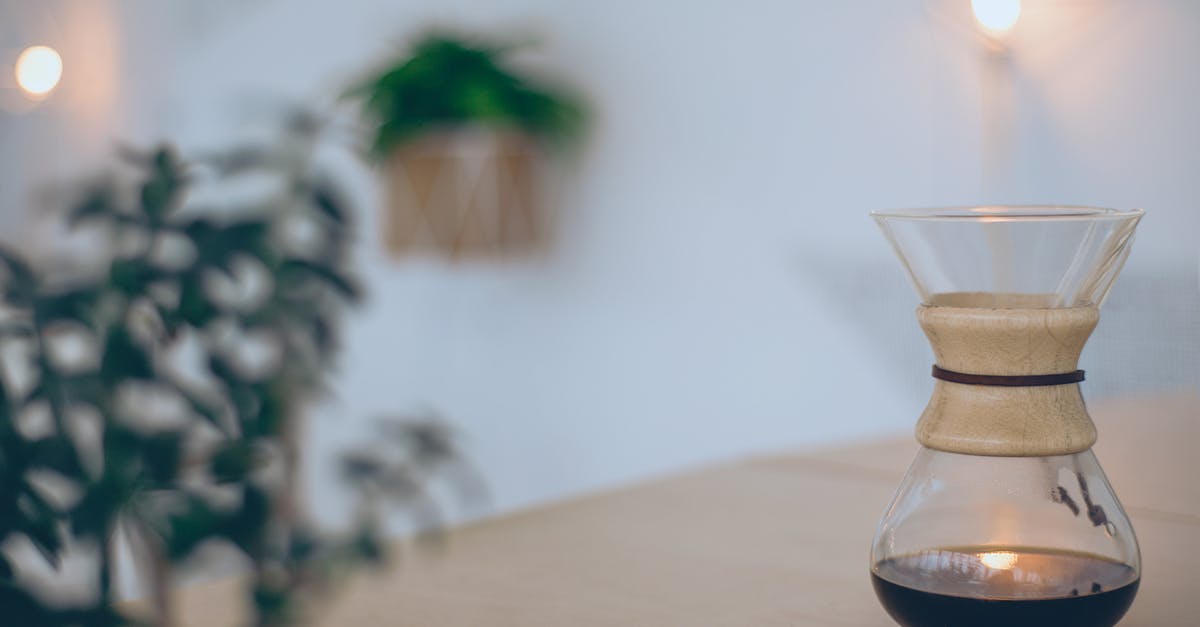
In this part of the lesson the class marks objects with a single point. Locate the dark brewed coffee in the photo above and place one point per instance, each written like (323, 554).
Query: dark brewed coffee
(1004, 587)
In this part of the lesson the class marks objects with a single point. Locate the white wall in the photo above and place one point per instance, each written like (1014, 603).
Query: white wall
(716, 288)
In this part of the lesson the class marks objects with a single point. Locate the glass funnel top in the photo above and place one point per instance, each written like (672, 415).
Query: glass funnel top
(1011, 256)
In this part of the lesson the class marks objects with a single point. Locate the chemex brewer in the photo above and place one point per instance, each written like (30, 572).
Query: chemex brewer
(1005, 517)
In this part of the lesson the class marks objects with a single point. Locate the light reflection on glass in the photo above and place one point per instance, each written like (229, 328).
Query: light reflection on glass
(999, 560)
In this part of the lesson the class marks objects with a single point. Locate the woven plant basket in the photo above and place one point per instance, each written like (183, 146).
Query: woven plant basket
(469, 192)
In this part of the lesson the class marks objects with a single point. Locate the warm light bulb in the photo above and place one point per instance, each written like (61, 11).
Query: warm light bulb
(996, 15)
(999, 560)
(38, 70)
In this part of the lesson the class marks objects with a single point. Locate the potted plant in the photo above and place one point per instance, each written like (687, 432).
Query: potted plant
(158, 393)
(462, 137)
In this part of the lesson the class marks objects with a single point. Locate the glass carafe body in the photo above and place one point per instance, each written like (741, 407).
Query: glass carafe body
(1005, 516)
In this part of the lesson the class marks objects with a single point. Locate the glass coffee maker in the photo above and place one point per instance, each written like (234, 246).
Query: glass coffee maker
(1005, 517)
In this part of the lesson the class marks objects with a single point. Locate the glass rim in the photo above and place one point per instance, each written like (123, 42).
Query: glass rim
(1007, 213)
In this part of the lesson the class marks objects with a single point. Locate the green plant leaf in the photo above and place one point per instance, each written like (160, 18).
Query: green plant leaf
(247, 526)
(324, 335)
(22, 608)
(161, 192)
(272, 603)
(357, 467)
(98, 201)
(219, 245)
(246, 236)
(96, 512)
(327, 202)
(41, 528)
(74, 305)
(210, 413)
(450, 80)
(297, 272)
(368, 546)
(172, 319)
(133, 276)
(262, 408)
(195, 309)
(122, 449)
(274, 411)
(235, 461)
(197, 523)
(6, 413)
(22, 283)
(124, 359)
(85, 387)
(305, 545)
(246, 401)
(224, 371)
(57, 454)
(162, 454)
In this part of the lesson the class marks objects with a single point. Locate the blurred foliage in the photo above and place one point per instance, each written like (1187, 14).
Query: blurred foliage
(192, 440)
(449, 80)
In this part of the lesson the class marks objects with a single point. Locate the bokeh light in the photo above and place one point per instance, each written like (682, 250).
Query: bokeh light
(38, 70)
(997, 15)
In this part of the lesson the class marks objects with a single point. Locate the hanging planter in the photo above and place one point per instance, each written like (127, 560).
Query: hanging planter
(463, 143)
(472, 191)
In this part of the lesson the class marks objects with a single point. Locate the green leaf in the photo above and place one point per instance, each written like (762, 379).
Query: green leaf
(132, 276)
(6, 409)
(21, 285)
(6, 570)
(122, 448)
(327, 202)
(305, 545)
(22, 608)
(223, 370)
(247, 527)
(272, 604)
(39, 392)
(57, 454)
(368, 546)
(84, 387)
(246, 401)
(246, 236)
(98, 201)
(124, 359)
(93, 515)
(324, 335)
(203, 408)
(160, 194)
(171, 319)
(188, 530)
(296, 272)
(219, 245)
(358, 467)
(162, 454)
(235, 461)
(157, 196)
(200, 230)
(449, 80)
(75, 305)
(273, 413)
(195, 308)
(41, 528)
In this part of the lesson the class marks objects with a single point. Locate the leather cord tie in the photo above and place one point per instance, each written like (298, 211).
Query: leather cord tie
(1020, 380)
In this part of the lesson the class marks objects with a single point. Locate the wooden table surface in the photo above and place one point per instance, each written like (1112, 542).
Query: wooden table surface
(766, 541)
